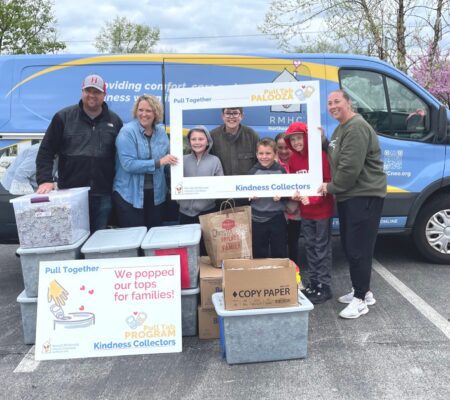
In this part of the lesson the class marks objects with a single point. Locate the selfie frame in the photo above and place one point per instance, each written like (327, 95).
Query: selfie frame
(242, 186)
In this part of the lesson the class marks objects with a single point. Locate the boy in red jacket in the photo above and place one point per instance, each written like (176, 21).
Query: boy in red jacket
(316, 212)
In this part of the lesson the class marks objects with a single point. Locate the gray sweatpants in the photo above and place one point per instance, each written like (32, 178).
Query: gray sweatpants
(318, 247)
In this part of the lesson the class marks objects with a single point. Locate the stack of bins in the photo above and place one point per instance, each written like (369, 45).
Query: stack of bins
(182, 240)
(51, 227)
(114, 243)
(263, 334)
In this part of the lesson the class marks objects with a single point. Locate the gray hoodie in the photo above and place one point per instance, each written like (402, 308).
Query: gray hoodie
(208, 165)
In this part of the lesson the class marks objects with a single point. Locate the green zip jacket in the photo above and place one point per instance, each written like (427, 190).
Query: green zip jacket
(355, 160)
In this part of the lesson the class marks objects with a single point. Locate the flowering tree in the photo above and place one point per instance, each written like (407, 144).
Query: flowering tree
(432, 71)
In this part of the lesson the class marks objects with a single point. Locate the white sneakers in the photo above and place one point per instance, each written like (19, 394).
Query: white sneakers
(355, 309)
(347, 298)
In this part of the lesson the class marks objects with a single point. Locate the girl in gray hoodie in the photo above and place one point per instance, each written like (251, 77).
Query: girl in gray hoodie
(199, 163)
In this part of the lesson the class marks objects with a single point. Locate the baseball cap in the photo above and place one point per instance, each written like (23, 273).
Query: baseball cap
(94, 81)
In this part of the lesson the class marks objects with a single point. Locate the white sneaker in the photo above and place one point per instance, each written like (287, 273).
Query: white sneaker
(355, 309)
(347, 298)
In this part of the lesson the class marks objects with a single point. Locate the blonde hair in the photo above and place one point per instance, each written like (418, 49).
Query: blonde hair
(154, 103)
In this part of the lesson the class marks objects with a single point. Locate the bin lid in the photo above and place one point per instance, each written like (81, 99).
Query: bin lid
(114, 240)
(54, 195)
(219, 305)
(52, 249)
(169, 237)
(22, 298)
(189, 292)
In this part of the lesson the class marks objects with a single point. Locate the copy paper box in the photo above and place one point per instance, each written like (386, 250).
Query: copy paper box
(208, 324)
(259, 283)
(210, 282)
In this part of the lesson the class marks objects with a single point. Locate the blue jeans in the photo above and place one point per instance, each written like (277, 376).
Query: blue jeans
(100, 207)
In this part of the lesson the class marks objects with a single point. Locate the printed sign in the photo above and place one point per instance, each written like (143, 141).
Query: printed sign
(108, 307)
(218, 97)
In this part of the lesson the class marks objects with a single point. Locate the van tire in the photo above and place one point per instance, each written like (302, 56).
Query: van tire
(432, 230)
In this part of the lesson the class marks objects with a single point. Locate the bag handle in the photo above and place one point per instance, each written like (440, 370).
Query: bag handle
(227, 204)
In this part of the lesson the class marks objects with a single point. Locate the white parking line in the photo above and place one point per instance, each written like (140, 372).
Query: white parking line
(421, 305)
(28, 363)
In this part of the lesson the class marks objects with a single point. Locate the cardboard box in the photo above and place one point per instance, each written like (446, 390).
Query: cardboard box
(261, 283)
(208, 324)
(210, 282)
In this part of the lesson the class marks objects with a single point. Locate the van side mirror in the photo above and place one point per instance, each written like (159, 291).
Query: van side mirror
(443, 128)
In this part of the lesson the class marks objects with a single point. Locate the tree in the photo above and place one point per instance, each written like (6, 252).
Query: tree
(387, 29)
(432, 71)
(123, 36)
(28, 27)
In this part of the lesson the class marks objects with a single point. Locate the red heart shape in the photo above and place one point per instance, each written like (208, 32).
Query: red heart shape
(135, 313)
(82, 287)
(91, 291)
(81, 308)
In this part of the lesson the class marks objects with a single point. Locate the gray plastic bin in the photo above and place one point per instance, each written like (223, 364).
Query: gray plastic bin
(189, 304)
(265, 334)
(114, 243)
(30, 258)
(171, 239)
(28, 309)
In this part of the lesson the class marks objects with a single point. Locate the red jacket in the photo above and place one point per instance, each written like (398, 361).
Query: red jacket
(319, 207)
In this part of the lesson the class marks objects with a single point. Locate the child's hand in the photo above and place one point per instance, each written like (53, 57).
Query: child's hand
(276, 198)
(304, 200)
(296, 196)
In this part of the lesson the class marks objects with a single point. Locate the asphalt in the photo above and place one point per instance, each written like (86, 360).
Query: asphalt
(393, 352)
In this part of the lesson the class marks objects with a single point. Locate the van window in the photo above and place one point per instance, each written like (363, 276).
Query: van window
(390, 107)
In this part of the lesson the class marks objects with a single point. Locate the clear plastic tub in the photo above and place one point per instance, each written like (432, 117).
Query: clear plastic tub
(58, 218)
(263, 334)
(183, 240)
(28, 309)
(189, 312)
(114, 243)
(30, 259)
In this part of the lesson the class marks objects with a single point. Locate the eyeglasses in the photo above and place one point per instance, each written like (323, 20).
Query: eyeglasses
(232, 114)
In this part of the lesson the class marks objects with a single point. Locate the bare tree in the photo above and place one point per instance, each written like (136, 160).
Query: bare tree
(387, 29)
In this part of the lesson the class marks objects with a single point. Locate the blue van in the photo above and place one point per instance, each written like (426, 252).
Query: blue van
(413, 127)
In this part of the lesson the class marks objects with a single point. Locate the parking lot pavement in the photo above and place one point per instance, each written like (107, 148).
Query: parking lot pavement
(393, 352)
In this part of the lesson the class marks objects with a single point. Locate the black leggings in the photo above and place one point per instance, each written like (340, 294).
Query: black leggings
(128, 216)
(359, 218)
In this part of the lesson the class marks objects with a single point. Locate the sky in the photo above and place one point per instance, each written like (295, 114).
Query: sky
(231, 25)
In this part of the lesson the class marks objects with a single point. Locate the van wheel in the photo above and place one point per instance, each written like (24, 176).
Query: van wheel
(432, 230)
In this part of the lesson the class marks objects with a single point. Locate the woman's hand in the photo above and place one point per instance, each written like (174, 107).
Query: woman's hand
(168, 159)
(322, 190)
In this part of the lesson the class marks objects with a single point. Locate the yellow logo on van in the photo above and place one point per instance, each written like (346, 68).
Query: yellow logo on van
(273, 94)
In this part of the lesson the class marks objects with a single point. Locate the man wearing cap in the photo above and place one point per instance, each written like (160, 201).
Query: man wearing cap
(83, 137)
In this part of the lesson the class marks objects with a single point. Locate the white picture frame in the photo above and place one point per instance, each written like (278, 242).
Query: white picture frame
(244, 186)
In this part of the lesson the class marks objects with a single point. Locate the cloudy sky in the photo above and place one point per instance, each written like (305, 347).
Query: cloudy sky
(197, 26)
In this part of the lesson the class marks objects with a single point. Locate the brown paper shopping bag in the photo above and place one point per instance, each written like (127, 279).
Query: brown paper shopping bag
(227, 233)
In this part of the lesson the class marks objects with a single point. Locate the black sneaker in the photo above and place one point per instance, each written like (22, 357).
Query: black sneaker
(321, 294)
(309, 289)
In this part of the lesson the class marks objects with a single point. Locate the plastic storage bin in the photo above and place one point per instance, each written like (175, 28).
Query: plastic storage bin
(113, 243)
(28, 309)
(264, 334)
(189, 304)
(182, 240)
(58, 218)
(30, 259)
